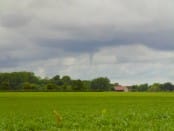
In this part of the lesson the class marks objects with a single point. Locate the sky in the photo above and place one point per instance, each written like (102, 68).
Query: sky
(127, 41)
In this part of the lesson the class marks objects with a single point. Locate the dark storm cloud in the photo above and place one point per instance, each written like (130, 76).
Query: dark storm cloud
(74, 46)
(157, 40)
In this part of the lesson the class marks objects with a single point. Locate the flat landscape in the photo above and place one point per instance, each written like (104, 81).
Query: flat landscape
(86, 111)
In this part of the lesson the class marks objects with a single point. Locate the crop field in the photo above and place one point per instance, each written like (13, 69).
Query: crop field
(87, 111)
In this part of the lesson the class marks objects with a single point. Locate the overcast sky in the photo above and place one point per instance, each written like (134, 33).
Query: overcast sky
(128, 41)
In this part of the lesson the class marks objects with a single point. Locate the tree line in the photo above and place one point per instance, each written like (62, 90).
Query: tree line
(28, 81)
(155, 87)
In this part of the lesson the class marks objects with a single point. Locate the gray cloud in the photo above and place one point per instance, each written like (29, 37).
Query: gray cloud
(14, 19)
(105, 33)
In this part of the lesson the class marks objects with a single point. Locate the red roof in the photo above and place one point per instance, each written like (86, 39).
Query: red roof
(119, 88)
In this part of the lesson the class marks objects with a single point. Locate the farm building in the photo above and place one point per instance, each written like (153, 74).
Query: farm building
(120, 88)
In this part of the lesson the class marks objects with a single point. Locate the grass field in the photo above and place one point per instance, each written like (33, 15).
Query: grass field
(106, 111)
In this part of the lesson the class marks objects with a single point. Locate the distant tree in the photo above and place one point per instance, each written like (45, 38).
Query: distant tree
(143, 87)
(167, 86)
(67, 88)
(86, 85)
(100, 84)
(51, 86)
(31, 87)
(77, 85)
(134, 88)
(155, 87)
(27, 86)
(56, 80)
(66, 80)
(16, 79)
(5, 85)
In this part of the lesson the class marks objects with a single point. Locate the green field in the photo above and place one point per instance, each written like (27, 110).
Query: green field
(106, 111)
